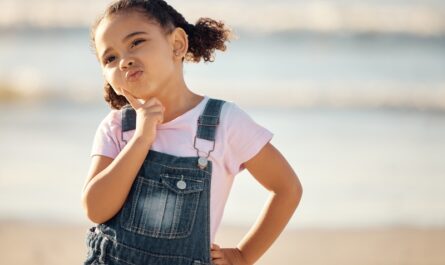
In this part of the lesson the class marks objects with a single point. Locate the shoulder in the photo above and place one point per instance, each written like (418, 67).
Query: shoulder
(106, 140)
(237, 121)
(232, 114)
(112, 122)
(227, 107)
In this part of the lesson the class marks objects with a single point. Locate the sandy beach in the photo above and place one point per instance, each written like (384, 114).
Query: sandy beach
(26, 243)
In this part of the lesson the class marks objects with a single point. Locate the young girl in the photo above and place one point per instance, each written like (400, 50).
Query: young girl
(164, 158)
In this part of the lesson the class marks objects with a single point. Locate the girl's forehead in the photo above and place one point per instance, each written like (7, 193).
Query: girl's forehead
(117, 26)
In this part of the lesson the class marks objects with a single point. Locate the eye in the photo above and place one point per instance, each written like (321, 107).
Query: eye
(136, 42)
(109, 59)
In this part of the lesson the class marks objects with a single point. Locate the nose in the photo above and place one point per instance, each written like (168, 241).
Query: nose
(126, 62)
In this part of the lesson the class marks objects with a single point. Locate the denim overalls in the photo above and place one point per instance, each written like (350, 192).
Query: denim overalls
(165, 219)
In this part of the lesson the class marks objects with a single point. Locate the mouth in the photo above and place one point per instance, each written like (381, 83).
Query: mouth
(134, 75)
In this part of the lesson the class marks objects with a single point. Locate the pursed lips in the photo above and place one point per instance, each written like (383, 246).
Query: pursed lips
(133, 75)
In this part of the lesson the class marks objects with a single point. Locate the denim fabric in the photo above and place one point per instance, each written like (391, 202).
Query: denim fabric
(165, 219)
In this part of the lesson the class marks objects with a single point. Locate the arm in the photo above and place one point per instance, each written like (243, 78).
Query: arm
(274, 173)
(109, 181)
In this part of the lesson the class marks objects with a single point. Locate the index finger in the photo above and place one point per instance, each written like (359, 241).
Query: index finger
(132, 100)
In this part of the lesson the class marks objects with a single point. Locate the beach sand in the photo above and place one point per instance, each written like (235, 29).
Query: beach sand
(28, 243)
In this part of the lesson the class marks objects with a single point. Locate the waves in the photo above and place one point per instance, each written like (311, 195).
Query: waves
(272, 94)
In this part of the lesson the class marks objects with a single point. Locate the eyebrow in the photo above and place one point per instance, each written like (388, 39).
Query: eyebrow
(124, 39)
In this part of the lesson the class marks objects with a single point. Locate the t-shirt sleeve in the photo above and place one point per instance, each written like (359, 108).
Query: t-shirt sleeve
(105, 142)
(245, 138)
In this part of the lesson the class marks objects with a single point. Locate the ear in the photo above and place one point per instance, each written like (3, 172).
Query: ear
(179, 43)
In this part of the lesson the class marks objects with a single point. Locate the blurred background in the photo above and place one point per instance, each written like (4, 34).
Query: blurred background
(354, 92)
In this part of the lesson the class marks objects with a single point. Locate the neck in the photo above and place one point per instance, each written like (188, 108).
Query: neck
(176, 98)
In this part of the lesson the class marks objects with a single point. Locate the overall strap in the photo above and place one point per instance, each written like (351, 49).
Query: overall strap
(128, 118)
(209, 119)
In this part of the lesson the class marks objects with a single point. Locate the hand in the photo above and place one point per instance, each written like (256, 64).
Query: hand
(227, 256)
(148, 115)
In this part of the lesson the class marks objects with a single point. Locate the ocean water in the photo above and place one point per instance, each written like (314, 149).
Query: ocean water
(288, 68)
(358, 167)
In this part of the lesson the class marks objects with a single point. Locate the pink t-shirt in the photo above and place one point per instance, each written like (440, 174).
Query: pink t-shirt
(238, 138)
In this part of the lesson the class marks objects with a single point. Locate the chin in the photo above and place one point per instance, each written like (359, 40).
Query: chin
(142, 91)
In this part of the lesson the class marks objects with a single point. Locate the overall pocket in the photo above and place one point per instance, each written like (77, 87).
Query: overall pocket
(163, 208)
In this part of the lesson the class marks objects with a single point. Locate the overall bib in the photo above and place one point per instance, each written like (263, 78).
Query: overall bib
(165, 219)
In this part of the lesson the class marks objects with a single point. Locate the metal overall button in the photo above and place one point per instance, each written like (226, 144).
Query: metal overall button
(181, 184)
(202, 162)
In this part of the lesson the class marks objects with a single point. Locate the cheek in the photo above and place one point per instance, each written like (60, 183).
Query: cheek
(114, 79)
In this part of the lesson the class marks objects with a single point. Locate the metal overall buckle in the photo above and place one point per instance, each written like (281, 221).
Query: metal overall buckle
(203, 160)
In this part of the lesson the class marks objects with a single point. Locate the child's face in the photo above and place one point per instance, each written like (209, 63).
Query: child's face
(134, 54)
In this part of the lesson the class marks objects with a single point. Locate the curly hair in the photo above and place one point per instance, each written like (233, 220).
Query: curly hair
(204, 37)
